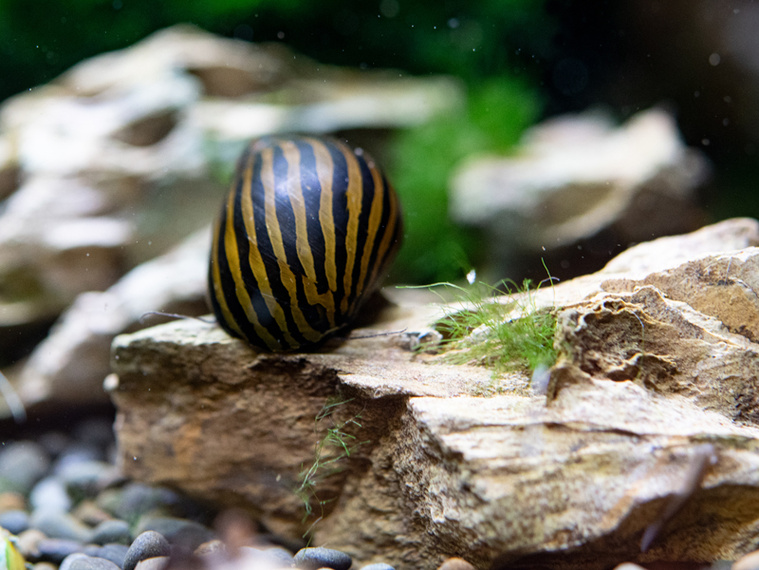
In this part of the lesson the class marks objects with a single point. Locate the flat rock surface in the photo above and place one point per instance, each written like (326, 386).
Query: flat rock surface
(643, 445)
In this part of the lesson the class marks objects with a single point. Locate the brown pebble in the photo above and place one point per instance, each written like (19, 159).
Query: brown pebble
(157, 563)
(10, 501)
(90, 514)
(456, 564)
(28, 542)
(748, 562)
(211, 547)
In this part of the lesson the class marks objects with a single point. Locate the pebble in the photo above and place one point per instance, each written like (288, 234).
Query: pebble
(134, 500)
(22, 464)
(184, 533)
(116, 553)
(314, 558)
(148, 544)
(378, 566)
(86, 478)
(15, 521)
(275, 556)
(156, 563)
(90, 514)
(50, 494)
(56, 524)
(113, 531)
(456, 564)
(84, 562)
(749, 561)
(27, 543)
(10, 500)
(56, 549)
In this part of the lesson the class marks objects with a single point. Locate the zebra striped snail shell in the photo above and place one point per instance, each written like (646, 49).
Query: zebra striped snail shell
(305, 236)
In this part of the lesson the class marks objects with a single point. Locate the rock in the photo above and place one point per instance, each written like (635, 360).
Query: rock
(84, 562)
(377, 566)
(58, 524)
(456, 564)
(85, 478)
(749, 561)
(578, 177)
(69, 366)
(120, 158)
(647, 424)
(113, 531)
(319, 557)
(136, 499)
(274, 558)
(156, 563)
(50, 494)
(148, 544)
(116, 553)
(22, 464)
(179, 532)
(28, 542)
(14, 521)
(57, 549)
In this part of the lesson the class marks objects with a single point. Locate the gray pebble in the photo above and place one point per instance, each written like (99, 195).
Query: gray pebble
(22, 464)
(56, 549)
(378, 566)
(148, 544)
(113, 531)
(184, 533)
(116, 553)
(50, 494)
(14, 521)
(84, 562)
(319, 557)
(60, 525)
(77, 452)
(87, 478)
(136, 499)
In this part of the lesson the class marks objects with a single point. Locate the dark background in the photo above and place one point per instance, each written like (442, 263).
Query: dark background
(526, 59)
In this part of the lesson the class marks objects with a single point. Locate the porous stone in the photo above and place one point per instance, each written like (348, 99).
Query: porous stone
(641, 443)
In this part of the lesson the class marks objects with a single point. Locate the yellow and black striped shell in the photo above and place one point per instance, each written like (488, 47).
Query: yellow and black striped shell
(305, 236)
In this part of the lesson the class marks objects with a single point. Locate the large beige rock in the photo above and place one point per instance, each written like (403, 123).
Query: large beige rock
(644, 438)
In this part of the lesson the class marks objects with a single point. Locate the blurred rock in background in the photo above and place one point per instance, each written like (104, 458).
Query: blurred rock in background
(579, 181)
(127, 154)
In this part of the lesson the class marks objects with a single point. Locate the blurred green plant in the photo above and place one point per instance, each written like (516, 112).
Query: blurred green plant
(423, 160)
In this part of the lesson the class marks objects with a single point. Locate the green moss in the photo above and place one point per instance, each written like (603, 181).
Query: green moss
(504, 336)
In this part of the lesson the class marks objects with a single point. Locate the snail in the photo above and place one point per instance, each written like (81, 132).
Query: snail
(304, 238)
